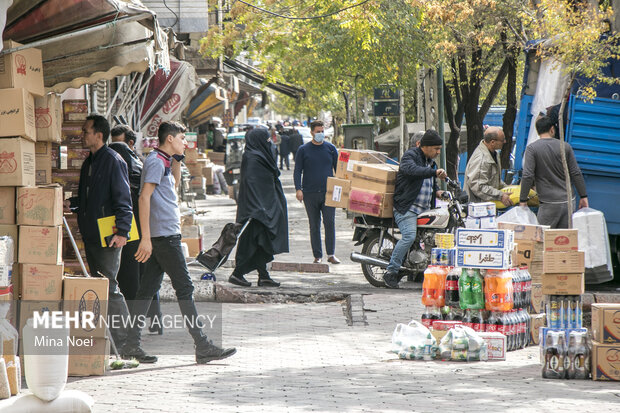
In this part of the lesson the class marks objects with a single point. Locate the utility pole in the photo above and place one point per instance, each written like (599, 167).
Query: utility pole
(403, 123)
(440, 120)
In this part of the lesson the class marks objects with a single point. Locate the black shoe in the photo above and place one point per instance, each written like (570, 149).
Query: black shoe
(138, 354)
(208, 352)
(156, 327)
(267, 282)
(391, 280)
(239, 280)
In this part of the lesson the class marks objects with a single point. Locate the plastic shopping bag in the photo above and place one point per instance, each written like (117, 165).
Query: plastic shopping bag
(411, 338)
(519, 215)
(594, 240)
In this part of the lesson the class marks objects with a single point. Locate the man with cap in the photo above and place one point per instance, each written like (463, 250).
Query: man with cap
(482, 175)
(416, 191)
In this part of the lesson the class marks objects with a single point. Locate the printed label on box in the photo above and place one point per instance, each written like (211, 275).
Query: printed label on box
(337, 193)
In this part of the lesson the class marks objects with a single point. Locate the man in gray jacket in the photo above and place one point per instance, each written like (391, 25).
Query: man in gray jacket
(542, 165)
(482, 175)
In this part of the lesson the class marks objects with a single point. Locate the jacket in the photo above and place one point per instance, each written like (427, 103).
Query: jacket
(103, 191)
(411, 174)
(482, 176)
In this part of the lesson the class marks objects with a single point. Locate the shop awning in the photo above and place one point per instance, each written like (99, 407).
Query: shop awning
(211, 100)
(252, 73)
(83, 41)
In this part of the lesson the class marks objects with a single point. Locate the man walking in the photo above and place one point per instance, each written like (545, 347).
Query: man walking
(160, 246)
(482, 175)
(104, 191)
(416, 191)
(314, 163)
(542, 166)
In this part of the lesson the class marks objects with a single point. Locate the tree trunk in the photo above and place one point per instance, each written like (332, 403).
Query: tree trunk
(454, 120)
(511, 110)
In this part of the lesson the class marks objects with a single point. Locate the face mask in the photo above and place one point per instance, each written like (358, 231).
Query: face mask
(319, 137)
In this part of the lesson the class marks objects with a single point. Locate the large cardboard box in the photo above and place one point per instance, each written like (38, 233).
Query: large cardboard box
(216, 157)
(191, 156)
(561, 239)
(537, 321)
(40, 206)
(496, 345)
(195, 169)
(88, 294)
(7, 205)
(76, 157)
(71, 134)
(563, 284)
(375, 177)
(69, 180)
(88, 357)
(525, 252)
(13, 232)
(559, 262)
(41, 282)
(40, 245)
(17, 114)
(605, 361)
(48, 118)
(606, 323)
(22, 69)
(348, 158)
(193, 246)
(43, 163)
(373, 203)
(207, 173)
(337, 194)
(74, 110)
(525, 232)
(17, 162)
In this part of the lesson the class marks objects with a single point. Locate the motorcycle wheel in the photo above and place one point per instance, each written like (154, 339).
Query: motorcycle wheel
(373, 273)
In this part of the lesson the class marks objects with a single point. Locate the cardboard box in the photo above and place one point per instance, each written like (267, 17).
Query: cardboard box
(13, 232)
(375, 177)
(337, 194)
(17, 114)
(48, 118)
(69, 180)
(76, 157)
(472, 223)
(207, 173)
(605, 362)
(484, 238)
(16, 281)
(481, 209)
(483, 258)
(26, 309)
(193, 246)
(348, 158)
(17, 162)
(6, 273)
(40, 245)
(190, 231)
(43, 163)
(41, 282)
(371, 203)
(7, 205)
(606, 323)
(195, 169)
(191, 156)
(537, 304)
(563, 284)
(537, 321)
(75, 110)
(560, 262)
(71, 134)
(22, 69)
(525, 250)
(525, 232)
(561, 239)
(40, 206)
(496, 345)
(216, 157)
(87, 294)
(88, 357)
(488, 223)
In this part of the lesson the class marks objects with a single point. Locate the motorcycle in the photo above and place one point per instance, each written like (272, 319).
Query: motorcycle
(378, 237)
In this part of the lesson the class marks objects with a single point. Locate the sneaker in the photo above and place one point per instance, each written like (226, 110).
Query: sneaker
(239, 280)
(333, 260)
(391, 280)
(317, 260)
(267, 282)
(208, 351)
(138, 354)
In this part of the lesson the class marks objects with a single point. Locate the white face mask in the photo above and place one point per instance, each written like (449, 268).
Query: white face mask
(319, 137)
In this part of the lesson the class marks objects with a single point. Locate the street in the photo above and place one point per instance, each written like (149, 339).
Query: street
(297, 352)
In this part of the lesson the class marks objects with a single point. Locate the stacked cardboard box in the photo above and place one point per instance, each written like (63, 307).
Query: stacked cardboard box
(191, 235)
(372, 189)
(606, 342)
(484, 248)
(563, 264)
(348, 158)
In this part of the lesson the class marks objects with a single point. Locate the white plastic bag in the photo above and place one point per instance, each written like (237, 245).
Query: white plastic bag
(73, 401)
(46, 368)
(519, 215)
(594, 241)
(410, 337)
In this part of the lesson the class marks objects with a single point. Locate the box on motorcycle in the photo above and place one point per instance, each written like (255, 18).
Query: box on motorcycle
(369, 202)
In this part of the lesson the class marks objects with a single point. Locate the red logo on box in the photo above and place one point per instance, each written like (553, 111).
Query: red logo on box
(20, 62)
(344, 156)
(172, 104)
(562, 240)
(8, 163)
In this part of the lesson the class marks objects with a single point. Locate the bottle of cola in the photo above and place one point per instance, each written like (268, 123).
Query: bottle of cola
(467, 320)
(516, 288)
(491, 323)
(452, 287)
(427, 316)
(476, 320)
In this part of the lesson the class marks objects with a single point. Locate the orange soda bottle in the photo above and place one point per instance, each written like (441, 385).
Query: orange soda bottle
(428, 286)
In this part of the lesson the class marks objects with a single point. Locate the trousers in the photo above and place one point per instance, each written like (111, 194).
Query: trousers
(315, 208)
(408, 225)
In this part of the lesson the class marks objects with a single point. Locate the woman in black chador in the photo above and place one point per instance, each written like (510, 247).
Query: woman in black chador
(260, 198)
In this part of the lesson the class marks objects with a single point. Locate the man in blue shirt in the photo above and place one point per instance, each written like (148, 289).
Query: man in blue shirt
(416, 191)
(315, 161)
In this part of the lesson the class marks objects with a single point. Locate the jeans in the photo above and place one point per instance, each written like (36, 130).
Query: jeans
(129, 275)
(315, 206)
(167, 256)
(284, 157)
(408, 225)
(107, 261)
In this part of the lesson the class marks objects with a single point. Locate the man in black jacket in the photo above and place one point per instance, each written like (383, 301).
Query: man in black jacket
(104, 191)
(416, 191)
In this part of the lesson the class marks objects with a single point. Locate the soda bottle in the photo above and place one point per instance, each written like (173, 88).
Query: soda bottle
(528, 287)
(528, 326)
(516, 288)
(508, 330)
(452, 287)
(514, 329)
(500, 324)
(578, 355)
(427, 316)
(467, 319)
(465, 293)
(440, 287)
(483, 320)
(491, 324)
(435, 314)
(477, 290)
(525, 338)
(553, 359)
(476, 320)
(554, 312)
(428, 294)
(457, 314)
